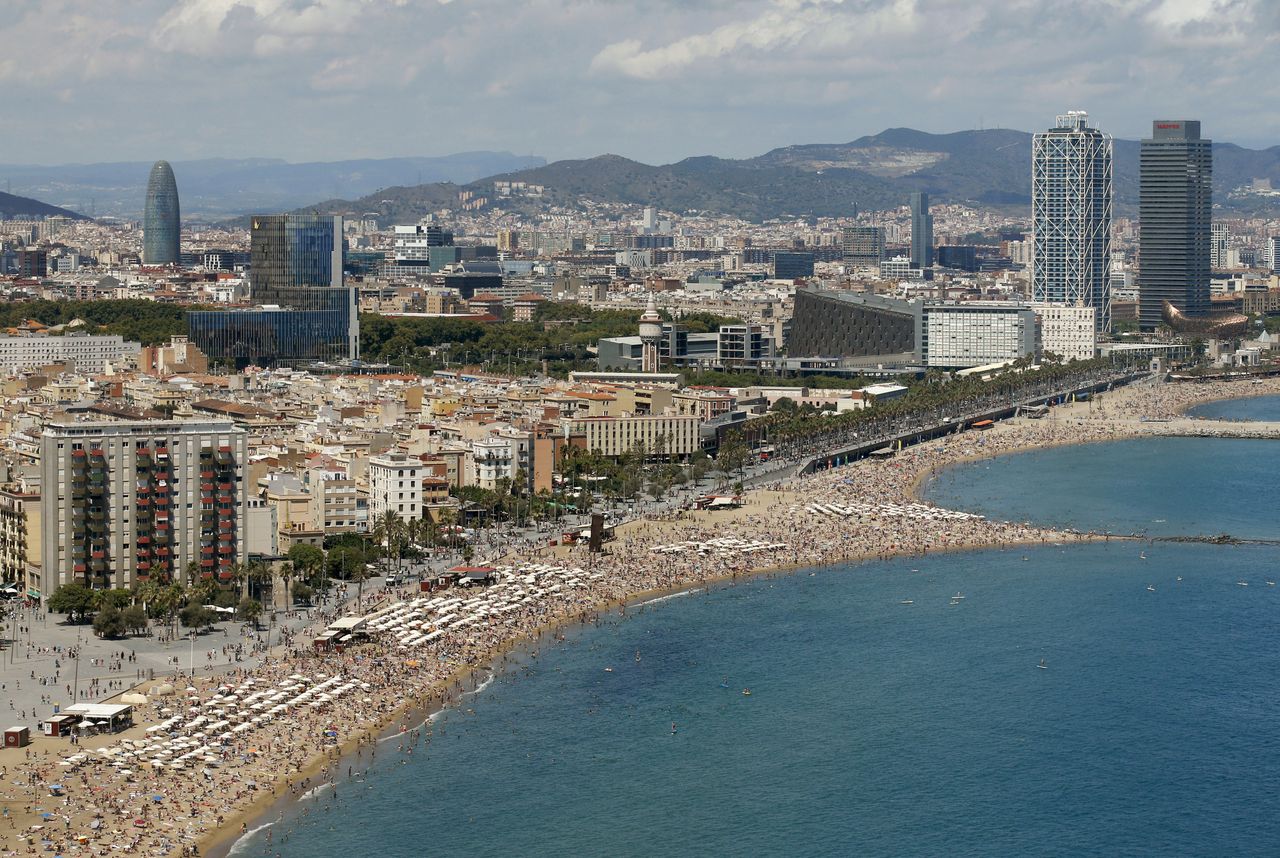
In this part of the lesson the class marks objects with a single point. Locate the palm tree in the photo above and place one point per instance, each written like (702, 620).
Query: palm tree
(388, 532)
(287, 574)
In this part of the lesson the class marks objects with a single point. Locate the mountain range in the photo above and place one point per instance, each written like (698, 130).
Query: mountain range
(991, 168)
(218, 188)
(14, 206)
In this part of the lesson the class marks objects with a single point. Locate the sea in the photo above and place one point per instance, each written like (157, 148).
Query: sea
(1113, 698)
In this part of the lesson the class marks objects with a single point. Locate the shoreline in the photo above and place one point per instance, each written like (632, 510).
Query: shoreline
(850, 541)
(492, 667)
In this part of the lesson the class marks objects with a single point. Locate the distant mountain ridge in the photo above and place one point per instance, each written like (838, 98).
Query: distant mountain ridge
(216, 188)
(988, 167)
(14, 206)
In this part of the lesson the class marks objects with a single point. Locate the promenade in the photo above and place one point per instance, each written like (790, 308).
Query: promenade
(209, 754)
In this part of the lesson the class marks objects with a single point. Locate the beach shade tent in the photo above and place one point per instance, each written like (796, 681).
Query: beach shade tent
(133, 699)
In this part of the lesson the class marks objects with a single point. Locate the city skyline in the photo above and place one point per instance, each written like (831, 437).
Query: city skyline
(881, 64)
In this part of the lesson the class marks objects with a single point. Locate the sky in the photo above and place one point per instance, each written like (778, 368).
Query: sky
(654, 80)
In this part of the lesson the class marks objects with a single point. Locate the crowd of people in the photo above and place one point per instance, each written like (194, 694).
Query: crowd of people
(113, 797)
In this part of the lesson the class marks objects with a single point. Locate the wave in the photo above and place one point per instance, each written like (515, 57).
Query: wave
(488, 680)
(316, 790)
(682, 593)
(241, 845)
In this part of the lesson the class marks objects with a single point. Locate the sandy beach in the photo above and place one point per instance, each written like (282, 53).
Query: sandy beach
(208, 760)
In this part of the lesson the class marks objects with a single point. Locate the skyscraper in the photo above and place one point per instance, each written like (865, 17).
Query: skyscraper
(161, 221)
(921, 231)
(1175, 215)
(307, 313)
(1071, 201)
(862, 246)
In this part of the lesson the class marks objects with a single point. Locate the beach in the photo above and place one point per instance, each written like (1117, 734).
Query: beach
(252, 738)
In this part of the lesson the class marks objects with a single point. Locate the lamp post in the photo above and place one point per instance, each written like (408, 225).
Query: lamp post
(192, 635)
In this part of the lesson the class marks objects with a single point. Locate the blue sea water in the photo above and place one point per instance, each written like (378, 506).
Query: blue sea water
(1156, 486)
(873, 727)
(1258, 408)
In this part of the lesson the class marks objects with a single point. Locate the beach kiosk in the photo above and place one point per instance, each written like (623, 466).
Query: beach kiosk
(105, 717)
(17, 737)
(59, 725)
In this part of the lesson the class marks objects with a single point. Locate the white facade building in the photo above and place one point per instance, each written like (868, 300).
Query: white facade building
(1069, 332)
(91, 354)
(1071, 206)
(395, 485)
(957, 336)
(493, 459)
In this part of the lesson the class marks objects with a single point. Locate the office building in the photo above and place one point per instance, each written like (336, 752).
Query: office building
(862, 246)
(305, 313)
(963, 257)
(614, 436)
(1071, 205)
(743, 345)
(849, 324)
(921, 231)
(161, 220)
(89, 354)
(124, 502)
(958, 336)
(1175, 169)
(1219, 246)
(788, 265)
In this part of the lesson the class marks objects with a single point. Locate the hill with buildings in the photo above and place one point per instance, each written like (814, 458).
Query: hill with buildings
(990, 168)
(216, 188)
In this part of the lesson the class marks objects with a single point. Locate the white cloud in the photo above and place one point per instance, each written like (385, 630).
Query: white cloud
(821, 25)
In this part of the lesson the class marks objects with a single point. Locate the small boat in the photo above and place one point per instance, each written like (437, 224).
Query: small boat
(1151, 588)
(1242, 583)
(1271, 583)
(957, 597)
(906, 602)
(1142, 555)
(1179, 577)
(608, 670)
(1042, 665)
(746, 692)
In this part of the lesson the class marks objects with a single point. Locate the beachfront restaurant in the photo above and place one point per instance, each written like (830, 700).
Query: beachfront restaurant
(102, 717)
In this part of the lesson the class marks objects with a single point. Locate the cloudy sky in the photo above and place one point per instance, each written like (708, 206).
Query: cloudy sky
(656, 80)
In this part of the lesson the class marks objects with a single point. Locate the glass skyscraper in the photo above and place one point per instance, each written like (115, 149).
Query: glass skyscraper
(921, 231)
(1175, 209)
(161, 220)
(305, 311)
(1071, 205)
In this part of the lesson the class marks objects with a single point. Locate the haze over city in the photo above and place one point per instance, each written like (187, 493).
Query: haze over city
(340, 79)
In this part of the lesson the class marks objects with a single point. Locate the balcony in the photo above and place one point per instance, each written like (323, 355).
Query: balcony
(207, 474)
(207, 563)
(80, 568)
(99, 555)
(206, 488)
(144, 540)
(144, 565)
(144, 502)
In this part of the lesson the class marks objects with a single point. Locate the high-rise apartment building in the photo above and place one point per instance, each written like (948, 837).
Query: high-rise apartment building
(862, 246)
(1219, 245)
(1071, 206)
(1175, 215)
(124, 502)
(161, 220)
(306, 311)
(921, 231)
